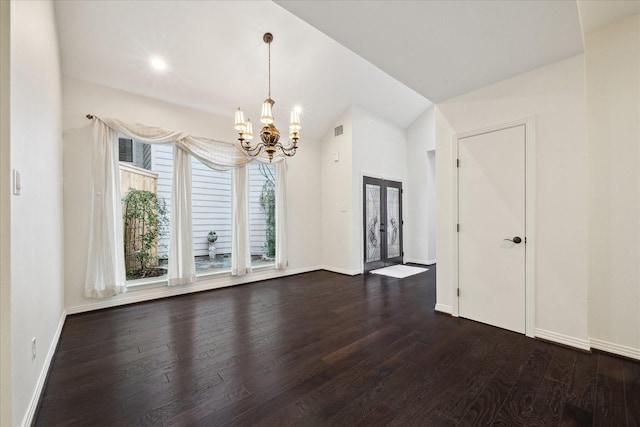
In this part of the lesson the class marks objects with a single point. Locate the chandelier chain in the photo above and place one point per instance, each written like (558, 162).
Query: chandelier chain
(269, 44)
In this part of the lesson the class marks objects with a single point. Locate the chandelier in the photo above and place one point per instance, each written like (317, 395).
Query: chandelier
(269, 135)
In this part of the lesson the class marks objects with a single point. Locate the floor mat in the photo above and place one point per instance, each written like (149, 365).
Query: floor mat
(399, 271)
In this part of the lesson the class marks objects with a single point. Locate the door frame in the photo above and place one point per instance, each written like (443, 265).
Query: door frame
(360, 216)
(530, 217)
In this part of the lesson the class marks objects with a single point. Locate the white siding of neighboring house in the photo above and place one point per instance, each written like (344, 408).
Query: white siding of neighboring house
(138, 155)
(211, 207)
(211, 203)
(162, 164)
(257, 218)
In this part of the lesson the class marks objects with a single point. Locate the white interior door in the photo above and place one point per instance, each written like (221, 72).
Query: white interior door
(491, 236)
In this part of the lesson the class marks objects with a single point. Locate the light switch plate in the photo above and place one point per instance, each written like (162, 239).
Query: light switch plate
(16, 183)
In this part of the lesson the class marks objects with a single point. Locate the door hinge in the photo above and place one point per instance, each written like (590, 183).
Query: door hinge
(457, 228)
(525, 240)
(458, 291)
(457, 163)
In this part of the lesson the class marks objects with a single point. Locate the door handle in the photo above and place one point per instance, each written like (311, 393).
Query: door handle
(515, 240)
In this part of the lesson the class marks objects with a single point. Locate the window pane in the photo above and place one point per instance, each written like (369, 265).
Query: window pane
(211, 217)
(145, 187)
(125, 150)
(262, 212)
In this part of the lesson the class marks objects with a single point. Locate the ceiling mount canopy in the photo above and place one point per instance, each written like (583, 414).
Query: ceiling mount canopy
(269, 134)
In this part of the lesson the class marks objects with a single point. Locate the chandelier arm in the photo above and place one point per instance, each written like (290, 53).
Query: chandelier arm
(290, 146)
(286, 150)
(255, 150)
(289, 153)
(251, 151)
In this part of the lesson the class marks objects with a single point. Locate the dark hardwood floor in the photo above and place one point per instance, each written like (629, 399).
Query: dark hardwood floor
(323, 349)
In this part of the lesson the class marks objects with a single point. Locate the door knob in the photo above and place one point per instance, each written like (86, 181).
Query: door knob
(515, 240)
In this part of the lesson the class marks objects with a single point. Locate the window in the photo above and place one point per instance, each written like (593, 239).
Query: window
(145, 186)
(211, 217)
(146, 175)
(262, 213)
(126, 150)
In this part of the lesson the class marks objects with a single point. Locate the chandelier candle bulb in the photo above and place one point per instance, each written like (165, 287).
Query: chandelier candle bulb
(267, 112)
(295, 119)
(240, 123)
(248, 133)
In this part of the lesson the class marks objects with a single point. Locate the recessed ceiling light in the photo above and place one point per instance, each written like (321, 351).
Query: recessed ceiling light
(158, 64)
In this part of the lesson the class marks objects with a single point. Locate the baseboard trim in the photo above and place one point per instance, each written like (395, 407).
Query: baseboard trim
(621, 350)
(341, 270)
(42, 378)
(447, 309)
(208, 284)
(563, 339)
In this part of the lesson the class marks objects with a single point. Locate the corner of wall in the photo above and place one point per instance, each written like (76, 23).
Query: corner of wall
(5, 217)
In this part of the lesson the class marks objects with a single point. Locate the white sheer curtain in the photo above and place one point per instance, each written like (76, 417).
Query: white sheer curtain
(182, 266)
(105, 266)
(282, 260)
(240, 245)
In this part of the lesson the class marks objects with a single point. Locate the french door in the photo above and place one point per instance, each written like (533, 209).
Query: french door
(382, 222)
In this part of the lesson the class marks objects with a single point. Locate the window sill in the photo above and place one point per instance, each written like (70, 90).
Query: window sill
(157, 282)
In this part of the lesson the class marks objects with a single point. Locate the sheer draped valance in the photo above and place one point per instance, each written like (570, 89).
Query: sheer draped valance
(106, 274)
(217, 155)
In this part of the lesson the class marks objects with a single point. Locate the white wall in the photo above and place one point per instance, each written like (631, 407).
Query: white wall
(613, 133)
(5, 217)
(80, 98)
(420, 217)
(369, 146)
(555, 96)
(337, 198)
(379, 151)
(37, 213)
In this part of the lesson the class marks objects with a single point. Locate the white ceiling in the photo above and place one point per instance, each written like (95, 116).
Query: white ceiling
(443, 49)
(218, 61)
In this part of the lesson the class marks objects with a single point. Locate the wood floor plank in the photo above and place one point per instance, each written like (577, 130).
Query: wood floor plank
(549, 405)
(574, 416)
(519, 403)
(322, 349)
(582, 389)
(487, 404)
(631, 371)
(610, 404)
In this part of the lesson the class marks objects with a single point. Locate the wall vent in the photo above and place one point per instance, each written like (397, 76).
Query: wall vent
(337, 131)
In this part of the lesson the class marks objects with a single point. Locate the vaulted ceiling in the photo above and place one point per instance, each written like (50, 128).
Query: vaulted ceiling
(392, 58)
